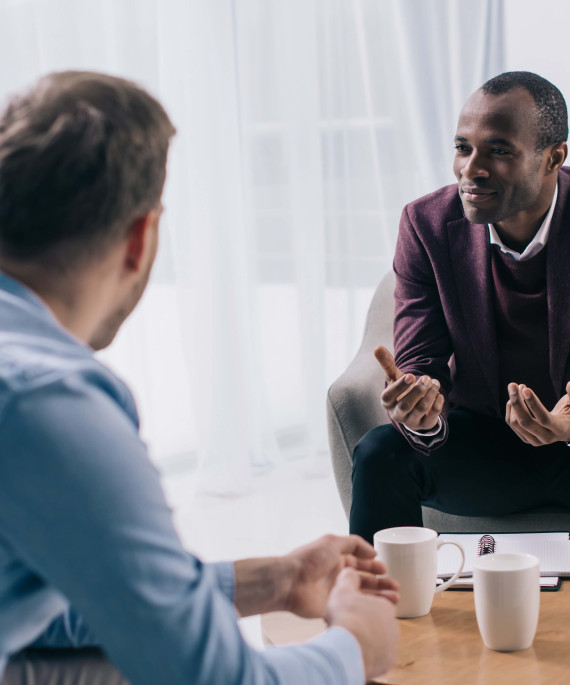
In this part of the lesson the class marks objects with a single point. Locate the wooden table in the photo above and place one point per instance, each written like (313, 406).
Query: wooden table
(445, 646)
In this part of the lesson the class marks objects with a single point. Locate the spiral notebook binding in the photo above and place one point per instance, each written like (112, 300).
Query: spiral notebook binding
(486, 545)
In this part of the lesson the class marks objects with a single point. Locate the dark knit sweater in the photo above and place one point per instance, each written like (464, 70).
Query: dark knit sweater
(521, 320)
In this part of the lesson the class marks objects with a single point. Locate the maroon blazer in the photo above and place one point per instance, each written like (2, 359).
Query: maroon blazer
(444, 323)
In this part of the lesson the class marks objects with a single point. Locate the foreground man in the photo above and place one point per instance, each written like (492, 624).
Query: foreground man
(479, 390)
(83, 520)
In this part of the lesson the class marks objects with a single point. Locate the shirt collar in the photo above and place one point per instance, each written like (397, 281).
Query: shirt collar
(14, 287)
(536, 244)
(19, 291)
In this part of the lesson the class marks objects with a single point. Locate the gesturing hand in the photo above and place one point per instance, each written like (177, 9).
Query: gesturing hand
(532, 422)
(370, 619)
(416, 404)
(315, 568)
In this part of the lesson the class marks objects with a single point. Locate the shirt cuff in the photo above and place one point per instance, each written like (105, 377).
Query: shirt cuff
(429, 433)
(332, 658)
(428, 439)
(225, 576)
(346, 649)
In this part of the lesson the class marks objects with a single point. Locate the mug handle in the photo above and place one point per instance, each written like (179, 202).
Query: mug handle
(454, 577)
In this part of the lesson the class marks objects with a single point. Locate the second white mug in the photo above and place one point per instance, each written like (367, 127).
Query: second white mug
(410, 555)
(506, 589)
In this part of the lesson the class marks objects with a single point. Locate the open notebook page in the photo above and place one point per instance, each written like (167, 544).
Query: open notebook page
(552, 550)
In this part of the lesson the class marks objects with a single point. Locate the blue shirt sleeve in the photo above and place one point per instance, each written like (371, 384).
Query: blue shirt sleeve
(67, 631)
(225, 577)
(82, 508)
(70, 630)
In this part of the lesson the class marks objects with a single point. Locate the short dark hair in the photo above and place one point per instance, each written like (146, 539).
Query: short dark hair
(82, 155)
(552, 119)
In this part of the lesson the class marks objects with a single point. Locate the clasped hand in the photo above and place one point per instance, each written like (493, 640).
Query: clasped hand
(415, 403)
(335, 578)
(340, 579)
(316, 566)
(532, 422)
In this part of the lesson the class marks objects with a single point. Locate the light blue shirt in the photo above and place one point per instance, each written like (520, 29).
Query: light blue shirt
(84, 523)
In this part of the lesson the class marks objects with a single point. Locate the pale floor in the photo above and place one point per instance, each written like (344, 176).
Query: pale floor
(283, 510)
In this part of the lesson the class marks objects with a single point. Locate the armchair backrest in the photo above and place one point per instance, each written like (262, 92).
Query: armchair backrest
(353, 400)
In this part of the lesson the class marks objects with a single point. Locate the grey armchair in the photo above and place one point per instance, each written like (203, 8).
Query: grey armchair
(353, 408)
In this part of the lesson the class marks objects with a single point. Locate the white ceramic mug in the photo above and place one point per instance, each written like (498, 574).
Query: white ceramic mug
(410, 555)
(507, 598)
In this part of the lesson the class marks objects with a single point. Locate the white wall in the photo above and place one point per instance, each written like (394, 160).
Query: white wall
(536, 39)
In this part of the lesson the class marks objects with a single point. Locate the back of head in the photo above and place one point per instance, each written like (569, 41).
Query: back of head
(82, 155)
(552, 114)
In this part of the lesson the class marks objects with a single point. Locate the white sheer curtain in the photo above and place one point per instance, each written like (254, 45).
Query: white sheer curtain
(304, 126)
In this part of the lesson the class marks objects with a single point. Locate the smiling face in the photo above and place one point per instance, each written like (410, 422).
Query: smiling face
(501, 175)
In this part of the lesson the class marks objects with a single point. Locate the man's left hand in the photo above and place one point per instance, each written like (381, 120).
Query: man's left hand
(315, 568)
(532, 422)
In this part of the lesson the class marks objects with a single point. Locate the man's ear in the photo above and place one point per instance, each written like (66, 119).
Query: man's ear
(556, 157)
(140, 238)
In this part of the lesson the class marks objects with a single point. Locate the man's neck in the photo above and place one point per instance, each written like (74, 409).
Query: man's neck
(513, 239)
(518, 231)
(77, 300)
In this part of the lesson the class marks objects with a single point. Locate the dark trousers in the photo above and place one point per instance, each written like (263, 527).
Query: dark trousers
(484, 469)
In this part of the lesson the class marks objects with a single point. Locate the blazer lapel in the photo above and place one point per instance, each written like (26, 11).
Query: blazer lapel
(558, 287)
(471, 262)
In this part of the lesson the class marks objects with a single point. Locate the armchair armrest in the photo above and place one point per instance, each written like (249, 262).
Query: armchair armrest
(353, 400)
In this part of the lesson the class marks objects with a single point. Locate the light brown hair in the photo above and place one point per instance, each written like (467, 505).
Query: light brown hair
(82, 155)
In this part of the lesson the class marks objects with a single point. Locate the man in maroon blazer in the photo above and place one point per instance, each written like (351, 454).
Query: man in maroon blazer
(479, 390)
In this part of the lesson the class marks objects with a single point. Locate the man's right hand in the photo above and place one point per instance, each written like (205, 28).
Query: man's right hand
(370, 618)
(415, 403)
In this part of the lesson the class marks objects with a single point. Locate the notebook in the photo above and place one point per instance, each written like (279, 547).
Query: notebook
(547, 583)
(552, 550)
